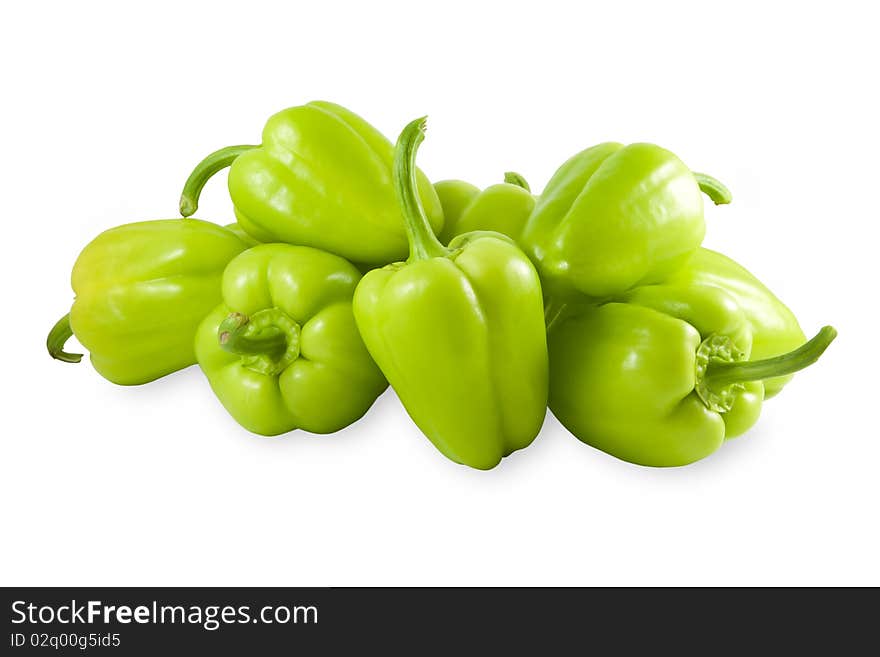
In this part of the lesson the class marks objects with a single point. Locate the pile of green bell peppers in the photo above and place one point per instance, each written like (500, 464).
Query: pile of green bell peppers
(347, 271)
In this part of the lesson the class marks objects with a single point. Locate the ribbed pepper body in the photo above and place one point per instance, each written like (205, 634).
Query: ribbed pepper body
(461, 340)
(504, 208)
(458, 331)
(775, 329)
(322, 178)
(141, 291)
(296, 360)
(663, 375)
(613, 217)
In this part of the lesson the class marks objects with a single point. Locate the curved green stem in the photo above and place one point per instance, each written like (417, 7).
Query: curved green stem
(192, 189)
(513, 178)
(719, 374)
(423, 244)
(58, 336)
(714, 189)
(231, 334)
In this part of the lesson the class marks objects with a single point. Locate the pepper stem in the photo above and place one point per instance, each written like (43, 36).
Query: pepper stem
(719, 374)
(423, 244)
(192, 189)
(231, 334)
(513, 178)
(59, 335)
(714, 189)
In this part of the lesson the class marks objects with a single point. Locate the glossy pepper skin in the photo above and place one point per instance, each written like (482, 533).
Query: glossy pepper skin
(282, 350)
(458, 332)
(503, 208)
(775, 329)
(454, 196)
(240, 234)
(141, 291)
(321, 178)
(614, 217)
(662, 377)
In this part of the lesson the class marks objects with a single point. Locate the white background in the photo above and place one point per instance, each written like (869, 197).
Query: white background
(107, 106)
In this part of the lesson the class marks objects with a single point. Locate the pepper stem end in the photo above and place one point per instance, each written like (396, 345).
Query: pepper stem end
(423, 244)
(513, 178)
(713, 188)
(719, 374)
(216, 161)
(56, 339)
(268, 341)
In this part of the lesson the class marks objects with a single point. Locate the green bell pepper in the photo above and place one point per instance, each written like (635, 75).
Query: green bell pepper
(141, 291)
(282, 350)
(503, 208)
(775, 329)
(321, 178)
(454, 196)
(662, 377)
(458, 332)
(614, 217)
